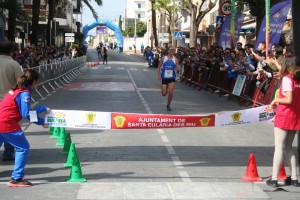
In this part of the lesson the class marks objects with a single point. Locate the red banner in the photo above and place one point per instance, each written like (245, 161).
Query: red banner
(141, 121)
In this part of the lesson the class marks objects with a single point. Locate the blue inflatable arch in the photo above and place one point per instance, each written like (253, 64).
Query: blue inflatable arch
(107, 23)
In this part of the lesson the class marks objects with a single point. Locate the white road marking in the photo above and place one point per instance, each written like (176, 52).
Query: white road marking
(175, 159)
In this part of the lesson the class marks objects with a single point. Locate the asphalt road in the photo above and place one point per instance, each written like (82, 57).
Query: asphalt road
(192, 163)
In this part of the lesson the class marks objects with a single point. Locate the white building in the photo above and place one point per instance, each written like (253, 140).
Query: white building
(135, 10)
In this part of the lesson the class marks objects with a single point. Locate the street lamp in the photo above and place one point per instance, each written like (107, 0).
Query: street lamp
(2, 26)
(82, 6)
(173, 24)
(135, 36)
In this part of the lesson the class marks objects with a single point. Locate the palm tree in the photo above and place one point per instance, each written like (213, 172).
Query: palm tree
(35, 20)
(87, 3)
(154, 28)
(53, 3)
(15, 12)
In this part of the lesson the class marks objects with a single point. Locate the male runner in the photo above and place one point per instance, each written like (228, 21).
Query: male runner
(167, 68)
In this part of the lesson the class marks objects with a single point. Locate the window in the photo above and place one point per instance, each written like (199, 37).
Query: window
(139, 15)
(139, 5)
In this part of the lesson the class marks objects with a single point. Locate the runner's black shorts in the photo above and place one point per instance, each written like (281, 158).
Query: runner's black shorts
(167, 81)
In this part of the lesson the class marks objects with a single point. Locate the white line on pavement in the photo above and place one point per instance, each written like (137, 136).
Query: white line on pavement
(175, 159)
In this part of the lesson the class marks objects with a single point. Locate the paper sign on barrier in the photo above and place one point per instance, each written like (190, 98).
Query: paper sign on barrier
(79, 119)
(252, 115)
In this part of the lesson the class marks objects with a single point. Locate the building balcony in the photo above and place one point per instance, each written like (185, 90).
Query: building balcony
(62, 22)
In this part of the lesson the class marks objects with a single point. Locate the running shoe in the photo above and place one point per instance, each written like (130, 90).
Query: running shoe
(169, 108)
(21, 182)
(272, 183)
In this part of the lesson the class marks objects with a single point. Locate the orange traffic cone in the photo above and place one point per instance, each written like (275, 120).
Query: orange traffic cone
(281, 174)
(251, 172)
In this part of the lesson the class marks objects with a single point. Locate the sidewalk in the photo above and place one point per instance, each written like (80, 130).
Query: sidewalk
(131, 52)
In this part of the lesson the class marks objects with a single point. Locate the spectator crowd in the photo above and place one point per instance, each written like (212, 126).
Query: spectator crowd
(33, 56)
(218, 68)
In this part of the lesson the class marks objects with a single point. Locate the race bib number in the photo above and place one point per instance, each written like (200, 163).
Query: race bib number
(168, 73)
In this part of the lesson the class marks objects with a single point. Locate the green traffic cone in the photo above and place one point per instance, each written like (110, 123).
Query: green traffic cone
(62, 137)
(71, 156)
(67, 144)
(56, 132)
(51, 130)
(76, 173)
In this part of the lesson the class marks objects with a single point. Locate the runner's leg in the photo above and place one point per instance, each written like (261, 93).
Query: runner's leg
(171, 87)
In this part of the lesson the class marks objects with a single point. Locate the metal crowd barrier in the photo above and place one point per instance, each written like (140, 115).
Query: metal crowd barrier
(213, 79)
(56, 75)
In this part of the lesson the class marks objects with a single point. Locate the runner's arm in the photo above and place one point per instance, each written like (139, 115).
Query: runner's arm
(159, 68)
(177, 65)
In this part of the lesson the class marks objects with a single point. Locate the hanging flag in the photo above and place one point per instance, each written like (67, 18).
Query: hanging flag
(232, 24)
(278, 14)
(2, 26)
(268, 25)
(224, 40)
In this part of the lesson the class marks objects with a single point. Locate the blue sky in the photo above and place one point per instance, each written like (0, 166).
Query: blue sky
(111, 10)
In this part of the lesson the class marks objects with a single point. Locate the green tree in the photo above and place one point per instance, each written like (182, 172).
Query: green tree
(257, 9)
(141, 29)
(170, 10)
(197, 12)
(15, 12)
(129, 31)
